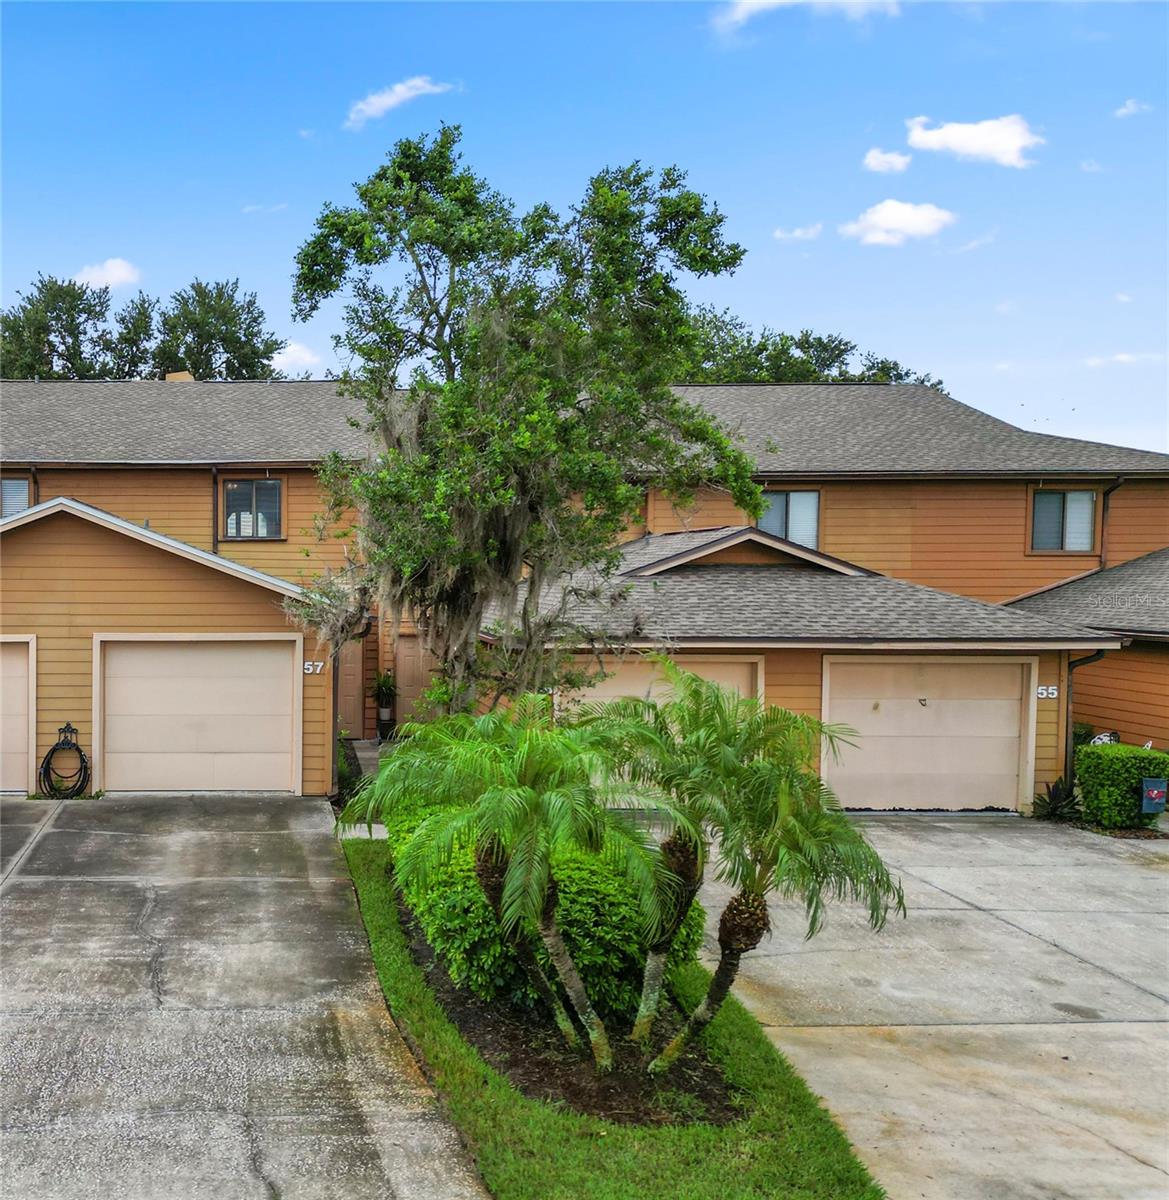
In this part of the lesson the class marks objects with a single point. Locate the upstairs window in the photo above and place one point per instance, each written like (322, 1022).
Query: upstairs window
(15, 496)
(1063, 521)
(792, 515)
(251, 508)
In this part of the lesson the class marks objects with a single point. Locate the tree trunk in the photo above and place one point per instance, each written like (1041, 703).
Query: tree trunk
(573, 984)
(740, 928)
(651, 994)
(490, 869)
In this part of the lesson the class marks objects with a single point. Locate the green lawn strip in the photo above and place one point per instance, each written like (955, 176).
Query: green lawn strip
(787, 1148)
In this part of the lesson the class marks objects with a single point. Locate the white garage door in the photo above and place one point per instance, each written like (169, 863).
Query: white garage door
(14, 717)
(198, 716)
(636, 677)
(937, 734)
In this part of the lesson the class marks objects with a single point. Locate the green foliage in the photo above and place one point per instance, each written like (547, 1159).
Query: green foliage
(62, 329)
(1110, 781)
(516, 369)
(1058, 801)
(348, 774)
(384, 689)
(1082, 733)
(785, 1147)
(724, 349)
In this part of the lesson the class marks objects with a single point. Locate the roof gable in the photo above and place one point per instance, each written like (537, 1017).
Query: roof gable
(97, 516)
(658, 553)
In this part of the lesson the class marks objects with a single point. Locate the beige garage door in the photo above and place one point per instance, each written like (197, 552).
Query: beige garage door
(198, 716)
(940, 734)
(636, 677)
(14, 717)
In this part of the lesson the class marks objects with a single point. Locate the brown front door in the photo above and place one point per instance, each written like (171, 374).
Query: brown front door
(351, 690)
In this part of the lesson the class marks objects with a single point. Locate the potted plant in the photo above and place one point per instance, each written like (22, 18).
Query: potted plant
(384, 690)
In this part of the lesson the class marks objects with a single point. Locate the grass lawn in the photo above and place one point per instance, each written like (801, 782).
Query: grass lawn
(787, 1148)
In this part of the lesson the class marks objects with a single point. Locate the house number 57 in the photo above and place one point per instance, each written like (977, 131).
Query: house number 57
(313, 668)
(1047, 691)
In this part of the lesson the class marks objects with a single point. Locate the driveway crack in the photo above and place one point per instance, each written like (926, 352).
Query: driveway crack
(157, 951)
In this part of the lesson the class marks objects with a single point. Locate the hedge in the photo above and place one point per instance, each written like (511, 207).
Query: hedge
(597, 911)
(1110, 782)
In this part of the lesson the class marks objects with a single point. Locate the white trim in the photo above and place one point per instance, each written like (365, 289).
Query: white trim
(666, 645)
(1027, 713)
(296, 640)
(736, 537)
(30, 640)
(96, 516)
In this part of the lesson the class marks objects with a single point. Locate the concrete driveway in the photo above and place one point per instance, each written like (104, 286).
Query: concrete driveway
(1009, 1040)
(189, 1010)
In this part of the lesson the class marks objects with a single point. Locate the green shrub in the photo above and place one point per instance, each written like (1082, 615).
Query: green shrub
(1082, 733)
(1110, 781)
(597, 913)
(1057, 802)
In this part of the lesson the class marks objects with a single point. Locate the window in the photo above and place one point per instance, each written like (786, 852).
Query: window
(792, 515)
(15, 496)
(251, 508)
(1063, 521)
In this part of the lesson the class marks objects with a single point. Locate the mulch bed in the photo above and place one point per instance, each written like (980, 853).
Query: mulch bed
(1143, 835)
(526, 1048)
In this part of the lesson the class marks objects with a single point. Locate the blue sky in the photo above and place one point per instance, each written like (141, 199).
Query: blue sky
(202, 139)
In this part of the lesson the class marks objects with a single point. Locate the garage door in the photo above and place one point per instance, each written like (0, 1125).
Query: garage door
(198, 716)
(14, 717)
(636, 677)
(938, 734)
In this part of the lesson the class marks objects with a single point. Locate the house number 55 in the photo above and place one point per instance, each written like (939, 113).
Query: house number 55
(1044, 691)
(313, 668)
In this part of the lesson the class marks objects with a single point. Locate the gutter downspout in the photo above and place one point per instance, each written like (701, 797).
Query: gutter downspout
(36, 485)
(1069, 749)
(1104, 519)
(214, 510)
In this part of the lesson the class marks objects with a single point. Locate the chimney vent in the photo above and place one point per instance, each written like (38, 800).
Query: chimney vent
(179, 377)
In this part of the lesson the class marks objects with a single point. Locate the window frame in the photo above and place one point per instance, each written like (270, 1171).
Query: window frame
(28, 497)
(253, 477)
(1035, 489)
(787, 493)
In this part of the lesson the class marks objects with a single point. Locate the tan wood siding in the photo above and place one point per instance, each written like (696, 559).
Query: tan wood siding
(964, 536)
(65, 579)
(1128, 691)
(178, 502)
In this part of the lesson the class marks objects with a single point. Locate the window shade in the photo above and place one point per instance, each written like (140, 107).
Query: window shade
(1079, 521)
(774, 518)
(1047, 521)
(14, 497)
(803, 513)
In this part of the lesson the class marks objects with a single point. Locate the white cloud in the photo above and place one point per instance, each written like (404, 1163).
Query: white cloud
(802, 233)
(1005, 308)
(263, 208)
(1091, 166)
(729, 17)
(1122, 298)
(1131, 107)
(1002, 140)
(114, 272)
(892, 222)
(306, 134)
(1122, 360)
(977, 243)
(886, 161)
(296, 356)
(377, 104)
(1002, 367)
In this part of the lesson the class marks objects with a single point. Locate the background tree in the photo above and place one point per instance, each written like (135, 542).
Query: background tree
(725, 349)
(62, 329)
(515, 371)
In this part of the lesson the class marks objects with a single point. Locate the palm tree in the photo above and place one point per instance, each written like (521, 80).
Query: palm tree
(518, 787)
(785, 835)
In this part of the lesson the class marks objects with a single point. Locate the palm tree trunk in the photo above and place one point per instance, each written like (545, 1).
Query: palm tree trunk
(651, 994)
(701, 1017)
(490, 869)
(573, 984)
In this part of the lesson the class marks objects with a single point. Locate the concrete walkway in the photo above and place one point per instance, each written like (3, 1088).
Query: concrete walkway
(1010, 1039)
(189, 1011)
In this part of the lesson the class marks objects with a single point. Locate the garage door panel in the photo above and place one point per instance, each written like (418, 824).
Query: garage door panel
(133, 695)
(969, 718)
(933, 755)
(199, 715)
(942, 681)
(14, 716)
(209, 734)
(884, 790)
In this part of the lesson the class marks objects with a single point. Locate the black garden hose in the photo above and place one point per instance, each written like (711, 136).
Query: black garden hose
(64, 784)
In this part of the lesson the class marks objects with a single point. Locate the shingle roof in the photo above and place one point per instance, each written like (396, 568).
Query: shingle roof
(1130, 598)
(818, 429)
(150, 421)
(784, 603)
